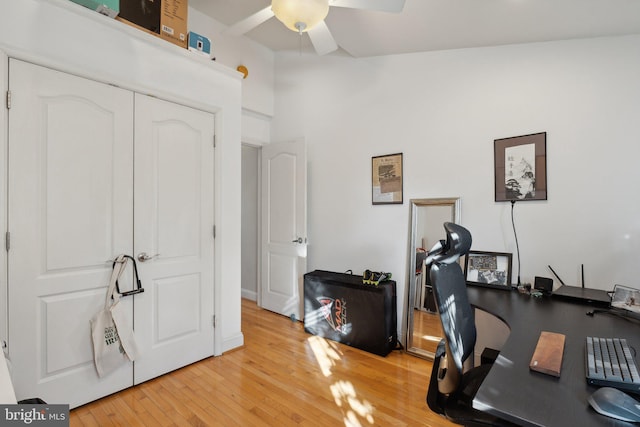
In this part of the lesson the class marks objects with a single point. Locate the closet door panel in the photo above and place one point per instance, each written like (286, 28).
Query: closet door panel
(177, 174)
(70, 206)
(173, 225)
(79, 182)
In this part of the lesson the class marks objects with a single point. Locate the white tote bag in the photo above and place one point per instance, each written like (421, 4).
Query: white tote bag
(113, 341)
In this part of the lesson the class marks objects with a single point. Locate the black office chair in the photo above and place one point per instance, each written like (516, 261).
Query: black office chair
(451, 390)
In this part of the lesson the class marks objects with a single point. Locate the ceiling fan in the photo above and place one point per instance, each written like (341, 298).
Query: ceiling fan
(307, 16)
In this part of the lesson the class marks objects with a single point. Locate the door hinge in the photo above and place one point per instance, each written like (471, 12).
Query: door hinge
(213, 320)
(7, 241)
(215, 142)
(8, 100)
(214, 231)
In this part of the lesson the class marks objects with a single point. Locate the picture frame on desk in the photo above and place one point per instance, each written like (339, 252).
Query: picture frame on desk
(489, 269)
(520, 168)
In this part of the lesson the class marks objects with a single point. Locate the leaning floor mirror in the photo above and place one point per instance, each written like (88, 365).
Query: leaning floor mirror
(422, 325)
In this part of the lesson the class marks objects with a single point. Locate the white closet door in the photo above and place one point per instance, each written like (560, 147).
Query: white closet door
(173, 223)
(69, 212)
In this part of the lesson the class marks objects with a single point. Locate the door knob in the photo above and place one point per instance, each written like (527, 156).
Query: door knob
(142, 256)
(298, 240)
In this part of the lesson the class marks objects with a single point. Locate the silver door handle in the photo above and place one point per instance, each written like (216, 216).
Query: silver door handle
(142, 256)
(298, 240)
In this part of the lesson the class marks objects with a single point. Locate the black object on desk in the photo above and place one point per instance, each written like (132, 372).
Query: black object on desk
(582, 295)
(511, 391)
(543, 284)
(340, 307)
(595, 297)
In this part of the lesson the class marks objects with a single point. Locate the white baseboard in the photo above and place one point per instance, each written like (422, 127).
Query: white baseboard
(250, 295)
(232, 342)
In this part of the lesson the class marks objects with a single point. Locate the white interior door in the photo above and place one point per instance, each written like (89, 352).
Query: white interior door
(69, 212)
(173, 225)
(284, 226)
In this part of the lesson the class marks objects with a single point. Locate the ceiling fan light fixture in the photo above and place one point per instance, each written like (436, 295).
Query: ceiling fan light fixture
(300, 15)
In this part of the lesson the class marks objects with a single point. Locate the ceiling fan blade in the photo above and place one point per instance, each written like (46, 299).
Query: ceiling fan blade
(250, 22)
(322, 40)
(394, 6)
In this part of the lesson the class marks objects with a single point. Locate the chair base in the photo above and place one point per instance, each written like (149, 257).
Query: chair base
(457, 407)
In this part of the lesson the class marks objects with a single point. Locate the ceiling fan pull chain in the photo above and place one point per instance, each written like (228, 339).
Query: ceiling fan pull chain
(301, 27)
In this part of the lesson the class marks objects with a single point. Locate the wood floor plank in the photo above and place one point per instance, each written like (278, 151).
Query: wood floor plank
(282, 376)
(84, 420)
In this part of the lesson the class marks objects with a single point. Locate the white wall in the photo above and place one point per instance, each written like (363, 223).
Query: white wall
(250, 212)
(443, 110)
(257, 88)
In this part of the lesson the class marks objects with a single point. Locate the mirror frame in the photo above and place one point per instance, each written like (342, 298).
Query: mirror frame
(414, 204)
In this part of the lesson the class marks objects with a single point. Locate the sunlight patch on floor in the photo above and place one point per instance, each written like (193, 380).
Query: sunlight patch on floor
(346, 398)
(355, 410)
(326, 355)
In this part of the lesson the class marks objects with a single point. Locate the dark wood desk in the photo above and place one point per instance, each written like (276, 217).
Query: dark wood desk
(513, 392)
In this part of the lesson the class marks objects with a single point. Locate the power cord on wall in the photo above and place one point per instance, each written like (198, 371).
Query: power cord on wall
(513, 203)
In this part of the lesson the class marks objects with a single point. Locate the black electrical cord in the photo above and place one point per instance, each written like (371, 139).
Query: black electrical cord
(612, 312)
(513, 203)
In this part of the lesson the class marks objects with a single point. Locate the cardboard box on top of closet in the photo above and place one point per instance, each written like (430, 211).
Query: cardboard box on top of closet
(164, 18)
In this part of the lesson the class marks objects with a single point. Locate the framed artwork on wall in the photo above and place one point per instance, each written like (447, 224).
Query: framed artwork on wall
(520, 165)
(386, 179)
(491, 269)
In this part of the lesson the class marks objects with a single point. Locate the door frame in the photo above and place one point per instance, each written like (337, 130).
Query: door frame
(184, 79)
(4, 208)
(219, 345)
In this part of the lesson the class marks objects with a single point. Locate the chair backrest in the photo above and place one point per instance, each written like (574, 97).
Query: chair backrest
(450, 293)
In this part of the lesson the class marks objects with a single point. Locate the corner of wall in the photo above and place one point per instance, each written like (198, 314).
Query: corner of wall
(231, 343)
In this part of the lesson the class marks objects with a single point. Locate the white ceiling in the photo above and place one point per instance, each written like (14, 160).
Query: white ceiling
(427, 25)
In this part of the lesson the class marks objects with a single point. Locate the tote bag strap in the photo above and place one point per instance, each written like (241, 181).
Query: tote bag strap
(118, 267)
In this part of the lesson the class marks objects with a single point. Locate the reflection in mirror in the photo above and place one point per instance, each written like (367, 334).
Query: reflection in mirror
(422, 325)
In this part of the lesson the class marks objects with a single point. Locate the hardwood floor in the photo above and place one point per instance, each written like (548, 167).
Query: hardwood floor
(281, 377)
